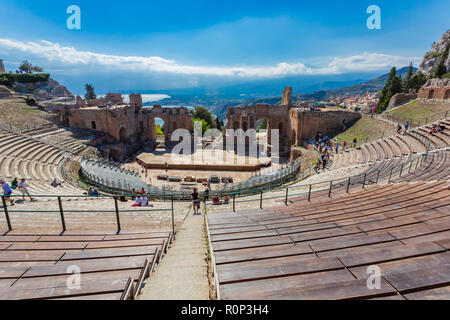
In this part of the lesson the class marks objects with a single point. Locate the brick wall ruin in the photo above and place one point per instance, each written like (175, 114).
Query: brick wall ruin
(437, 89)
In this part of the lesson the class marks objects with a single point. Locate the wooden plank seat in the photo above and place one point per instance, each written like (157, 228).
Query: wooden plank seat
(264, 256)
(111, 266)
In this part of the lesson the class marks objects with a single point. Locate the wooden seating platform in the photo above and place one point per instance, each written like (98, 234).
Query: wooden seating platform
(322, 249)
(111, 267)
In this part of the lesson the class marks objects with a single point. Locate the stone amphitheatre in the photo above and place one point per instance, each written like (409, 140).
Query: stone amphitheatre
(286, 232)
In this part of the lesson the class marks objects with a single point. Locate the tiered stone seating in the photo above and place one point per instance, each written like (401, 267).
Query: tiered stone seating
(111, 267)
(435, 167)
(389, 148)
(322, 249)
(38, 162)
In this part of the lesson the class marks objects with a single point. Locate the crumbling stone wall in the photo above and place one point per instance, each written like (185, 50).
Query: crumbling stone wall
(130, 123)
(400, 98)
(438, 89)
(294, 124)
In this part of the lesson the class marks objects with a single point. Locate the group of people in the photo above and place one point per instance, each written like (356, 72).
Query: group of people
(195, 197)
(403, 129)
(325, 146)
(437, 128)
(8, 189)
(140, 198)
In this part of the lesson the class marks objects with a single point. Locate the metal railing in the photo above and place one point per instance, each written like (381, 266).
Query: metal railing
(416, 123)
(8, 209)
(363, 180)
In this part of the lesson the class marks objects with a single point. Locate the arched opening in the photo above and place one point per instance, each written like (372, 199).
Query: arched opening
(160, 130)
(123, 136)
(262, 135)
(447, 94)
(280, 128)
(235, 125)
(431, 94)
(244, 126)
(93, 125)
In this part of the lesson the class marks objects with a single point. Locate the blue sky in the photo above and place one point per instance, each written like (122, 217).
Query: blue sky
(168, 44)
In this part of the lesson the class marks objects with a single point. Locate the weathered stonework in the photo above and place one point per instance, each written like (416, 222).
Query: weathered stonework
(129, 123)
(287, 97)
(437, 89)
(294, 124)
(400, 98)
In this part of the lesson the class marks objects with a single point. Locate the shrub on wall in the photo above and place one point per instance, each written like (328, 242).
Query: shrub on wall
(8, 79)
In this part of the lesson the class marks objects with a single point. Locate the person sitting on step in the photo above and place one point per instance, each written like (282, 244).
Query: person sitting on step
(138, 202)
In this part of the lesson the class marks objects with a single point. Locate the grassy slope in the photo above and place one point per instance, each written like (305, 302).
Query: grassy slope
(367, 128)
(16, 112)
(418, 111)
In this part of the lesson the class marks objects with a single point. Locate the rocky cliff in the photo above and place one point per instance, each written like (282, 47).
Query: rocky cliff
(50, 95)
(439, 53)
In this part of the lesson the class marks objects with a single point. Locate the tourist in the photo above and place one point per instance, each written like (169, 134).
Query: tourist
(94, 193)
(7, 191)
(14, 183)
(144, 202)
(56, 183)
(123, 199)
(406, 126)
(138, 202)
(23, 187)
(355, 142)
(337, 147)
(441, 128)
(133, 194)
(317, 167)
(206, 193)
(399, 129)
(226, 199)
(166, 166)
(216, 200)
(344, 145)
(143, 167)
(143, 192)
(195, 202)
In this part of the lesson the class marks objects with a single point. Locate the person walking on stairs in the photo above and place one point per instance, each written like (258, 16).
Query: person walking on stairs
(195, 202)
(7, 191)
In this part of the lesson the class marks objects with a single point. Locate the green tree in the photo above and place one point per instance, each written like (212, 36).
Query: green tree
(159, 130)
(386, 93)
(407, 83)
(205, 125)
(219, 124)
(90, 92)
(26, 67)
(204, 114)
(418, 80)
(262, 125)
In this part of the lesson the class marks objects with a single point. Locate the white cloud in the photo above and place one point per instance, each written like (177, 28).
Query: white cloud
(71, 56)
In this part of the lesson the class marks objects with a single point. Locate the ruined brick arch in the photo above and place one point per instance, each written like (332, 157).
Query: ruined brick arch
(123, 135)
(431, 94)
(447, 95)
